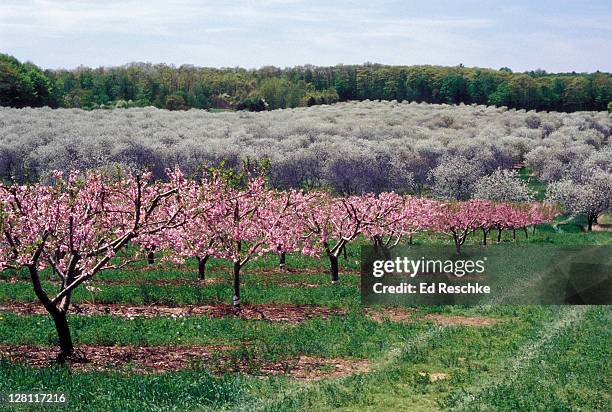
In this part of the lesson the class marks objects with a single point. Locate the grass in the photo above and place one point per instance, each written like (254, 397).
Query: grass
(533, 358)
(541, 358)
(185, 390)
(533, 183)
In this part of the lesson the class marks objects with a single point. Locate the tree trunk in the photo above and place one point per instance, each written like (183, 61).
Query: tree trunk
(526, 232)
(458, 247)
(59, 317)
(386, 252)
(344, 254)
(410, 240)
(150, 257)
(236, 299)
(57, 256)
(499, 232)
(282, 260)
(590, 220)
(514, 234)
(202, 267)
(333, 269)
(484, 237)
(63, 333)
(457, 241)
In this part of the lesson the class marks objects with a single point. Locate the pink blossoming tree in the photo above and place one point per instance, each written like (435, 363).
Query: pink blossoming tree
(252, 222)
(77, 226)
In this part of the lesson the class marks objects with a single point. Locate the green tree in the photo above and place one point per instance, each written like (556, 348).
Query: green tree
(175, 102)
(12, 90)
(419, 88)
(523, 92)
(482, 85)
(501, 96)
(577, 94)
(453, 89)
(24, 85)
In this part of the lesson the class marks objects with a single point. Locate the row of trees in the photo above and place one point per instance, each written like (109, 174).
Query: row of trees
(25, 85)
(176, 88)
(81, 225)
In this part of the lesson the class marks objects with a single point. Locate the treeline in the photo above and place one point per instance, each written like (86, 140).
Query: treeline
(184, 87)
(24, 84)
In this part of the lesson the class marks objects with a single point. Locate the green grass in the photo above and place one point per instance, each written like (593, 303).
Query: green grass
(534, 358)
(185, 390)
(540, 358)
(175, 295)
(533, 183)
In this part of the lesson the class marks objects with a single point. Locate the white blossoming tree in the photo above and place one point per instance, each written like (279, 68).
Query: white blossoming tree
(503, 186)
(590, 197)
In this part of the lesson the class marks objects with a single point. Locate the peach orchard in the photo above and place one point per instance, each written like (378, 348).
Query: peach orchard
(81, 224)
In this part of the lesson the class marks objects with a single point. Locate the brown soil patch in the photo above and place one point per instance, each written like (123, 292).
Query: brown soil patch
(158, 359)
(267, 312)
(318, 270)
(450, 320)
(391, 314)
(89, 357)
(434, 376)
(310, 368)
(602, 228)
(299, 285)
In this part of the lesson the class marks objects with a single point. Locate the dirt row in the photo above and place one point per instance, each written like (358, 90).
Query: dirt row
(287, 313)
(267, 312)
(159, 358)
(175, 282)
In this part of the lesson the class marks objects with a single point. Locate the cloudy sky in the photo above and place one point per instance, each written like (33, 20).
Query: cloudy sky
(523, 35)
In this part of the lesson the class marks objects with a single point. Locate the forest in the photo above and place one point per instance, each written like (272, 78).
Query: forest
(266, 88)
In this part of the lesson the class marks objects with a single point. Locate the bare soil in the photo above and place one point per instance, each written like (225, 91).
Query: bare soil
(603, 227)
(392, 314)
(434, 376)
(267, 312)
(159, 359)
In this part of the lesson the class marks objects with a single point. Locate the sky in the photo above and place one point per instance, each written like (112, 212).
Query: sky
(557, 36)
